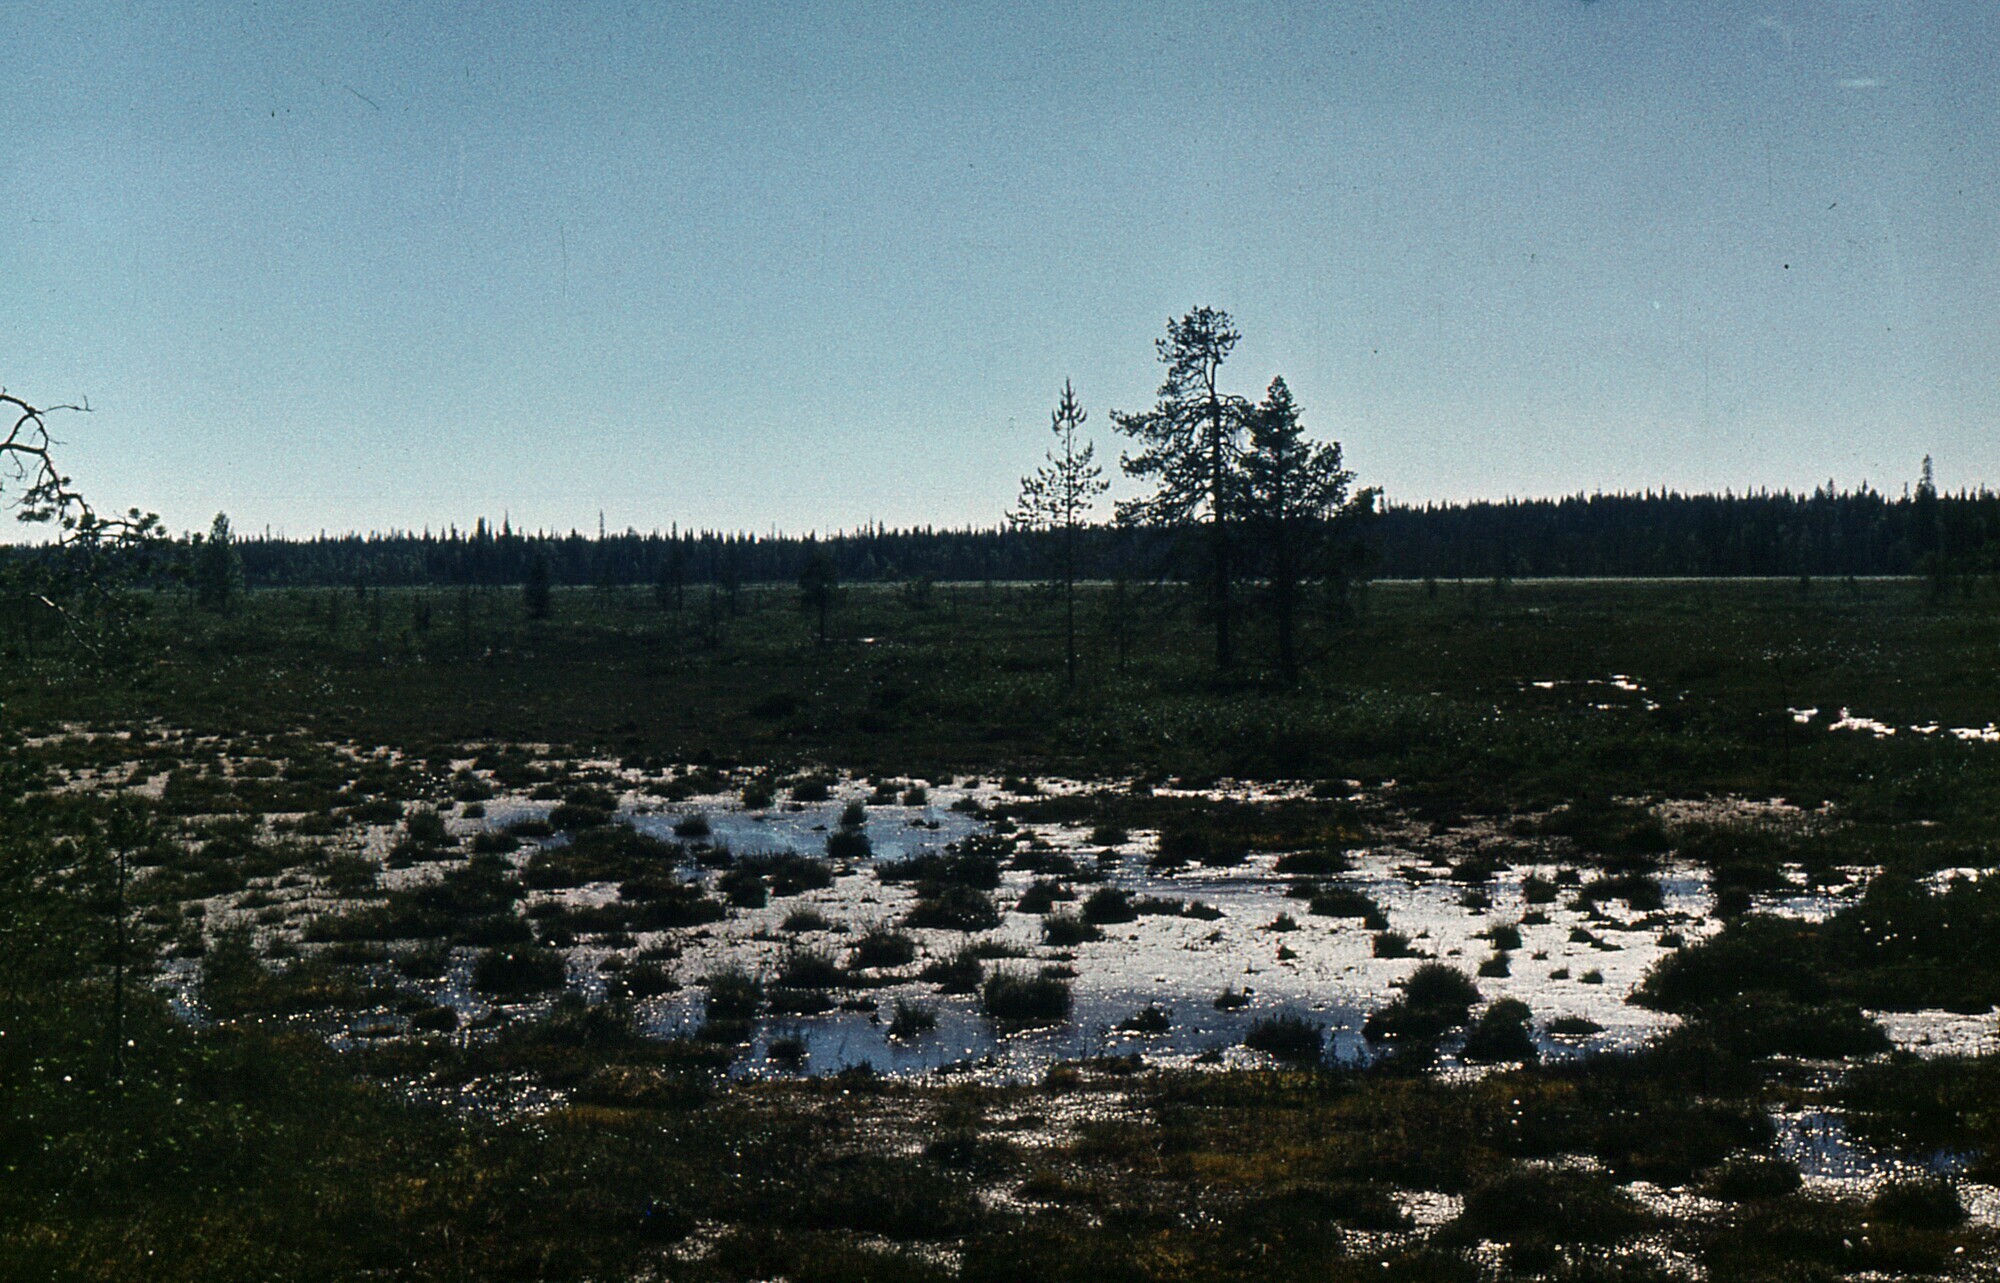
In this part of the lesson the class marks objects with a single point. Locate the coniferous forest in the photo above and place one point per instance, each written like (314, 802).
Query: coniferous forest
(1829, 533)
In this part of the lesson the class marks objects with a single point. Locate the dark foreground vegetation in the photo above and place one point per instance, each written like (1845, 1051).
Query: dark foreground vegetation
(565, 1145)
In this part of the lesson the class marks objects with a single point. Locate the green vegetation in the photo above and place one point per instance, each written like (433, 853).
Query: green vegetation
(587, 1141)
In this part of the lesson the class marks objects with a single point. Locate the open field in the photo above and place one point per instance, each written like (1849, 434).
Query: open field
(1581, 930)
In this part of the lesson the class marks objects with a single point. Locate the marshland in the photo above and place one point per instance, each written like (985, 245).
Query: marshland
(1536, 931)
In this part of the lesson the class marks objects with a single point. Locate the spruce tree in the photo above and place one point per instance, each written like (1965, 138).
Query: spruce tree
(1292, 493)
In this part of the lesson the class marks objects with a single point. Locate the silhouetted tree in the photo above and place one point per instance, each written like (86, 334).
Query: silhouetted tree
(218, 568)
(537, 589)
(818, 582)
(1189, 443)
(1057, 499)
(1293, 493)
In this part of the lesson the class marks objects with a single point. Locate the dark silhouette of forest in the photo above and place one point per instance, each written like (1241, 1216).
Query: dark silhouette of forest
(1827, 533)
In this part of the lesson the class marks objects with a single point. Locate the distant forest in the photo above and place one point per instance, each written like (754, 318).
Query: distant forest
(1823, 534)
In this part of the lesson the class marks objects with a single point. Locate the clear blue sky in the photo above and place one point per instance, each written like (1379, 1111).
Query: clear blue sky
(360, 266)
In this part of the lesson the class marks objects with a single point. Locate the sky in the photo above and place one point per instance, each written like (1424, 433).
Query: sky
(805, 266)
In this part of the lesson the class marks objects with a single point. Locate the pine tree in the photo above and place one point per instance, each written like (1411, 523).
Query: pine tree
(1057, 498)
(1190, 444)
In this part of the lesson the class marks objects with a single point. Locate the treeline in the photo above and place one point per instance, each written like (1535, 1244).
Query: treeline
(1823, 534)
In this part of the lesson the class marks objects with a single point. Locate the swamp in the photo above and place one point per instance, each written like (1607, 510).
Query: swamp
(1580, 930)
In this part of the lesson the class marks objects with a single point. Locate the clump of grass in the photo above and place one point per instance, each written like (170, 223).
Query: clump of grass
(953, 907)
(916, 795)
(788, 1050)
(811, 789)
(518, 969)
(1065, 930)
(1745, 1178)
(1286, 1036)
(1346, 902)
(911, 1019)
(1919, 1204)
(959, 972)
(1149, 1019)
(1550, 1206)
(1496, 967)
(1020, 998)
(881, 947)
(1392, 944)
(808, 969)
(641, 980)
(733, 994)
(1314, 864)
(1640, 892)
(1042, 895)
(806, 919)
(692, 825)
(853, 815)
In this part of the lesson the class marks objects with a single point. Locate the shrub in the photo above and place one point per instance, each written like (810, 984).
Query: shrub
(1107, 905)
(1435, 998)
(694, 825)
(1149, 1019)
(1027, 999)
(1503, 1033)
(848, 844)
(1041, 896)
(1286, 1036)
